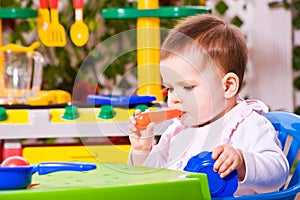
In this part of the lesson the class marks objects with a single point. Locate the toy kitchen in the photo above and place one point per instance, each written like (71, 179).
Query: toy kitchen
(28, 112)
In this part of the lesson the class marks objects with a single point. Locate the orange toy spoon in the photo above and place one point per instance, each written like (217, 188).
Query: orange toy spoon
(143, 119)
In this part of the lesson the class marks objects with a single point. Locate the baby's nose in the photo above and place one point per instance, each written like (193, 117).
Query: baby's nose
(174, 98)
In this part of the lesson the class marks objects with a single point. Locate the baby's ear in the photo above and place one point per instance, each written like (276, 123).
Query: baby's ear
(231, 84)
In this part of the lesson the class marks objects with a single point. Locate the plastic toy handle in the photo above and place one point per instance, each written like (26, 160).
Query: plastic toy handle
(50, 167)
(43, 3)
(120, 100)
(54, 4)
(17, 48)
(77, 4)
(143, 119)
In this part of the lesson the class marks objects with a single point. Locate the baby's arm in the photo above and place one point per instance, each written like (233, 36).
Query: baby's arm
(141, 141)
(266, 167)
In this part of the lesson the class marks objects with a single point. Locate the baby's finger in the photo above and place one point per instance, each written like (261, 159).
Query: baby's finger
(149, 131)
(150, 128)
(217, 152)
(227, 172)
(225, 166)
(132, 120)
(132, 127)
(137, 111)
(219, 162)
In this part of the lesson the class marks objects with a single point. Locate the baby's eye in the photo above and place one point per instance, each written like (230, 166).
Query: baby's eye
(170, 89)
(188, 87)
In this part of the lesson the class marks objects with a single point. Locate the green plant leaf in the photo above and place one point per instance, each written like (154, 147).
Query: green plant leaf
(296, 58)
(296, 22)
(297, 83)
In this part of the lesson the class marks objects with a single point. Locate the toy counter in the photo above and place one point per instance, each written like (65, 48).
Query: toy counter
(114, 181)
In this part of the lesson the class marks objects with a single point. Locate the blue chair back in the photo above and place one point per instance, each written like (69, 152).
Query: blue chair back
(288, 127)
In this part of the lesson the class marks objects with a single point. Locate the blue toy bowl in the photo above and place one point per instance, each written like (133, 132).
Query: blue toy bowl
(219, 187)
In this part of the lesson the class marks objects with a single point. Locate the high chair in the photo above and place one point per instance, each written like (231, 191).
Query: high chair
(288, 127)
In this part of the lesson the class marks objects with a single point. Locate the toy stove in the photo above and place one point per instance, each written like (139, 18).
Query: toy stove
(104, 117)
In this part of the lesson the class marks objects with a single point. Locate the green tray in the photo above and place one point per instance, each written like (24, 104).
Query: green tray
(114, 181)
(17, 13)
(163, 12)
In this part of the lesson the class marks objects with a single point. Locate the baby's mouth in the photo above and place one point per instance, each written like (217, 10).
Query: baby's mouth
(182, 114)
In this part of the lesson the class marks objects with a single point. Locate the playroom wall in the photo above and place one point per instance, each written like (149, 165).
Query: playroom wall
(269, 33)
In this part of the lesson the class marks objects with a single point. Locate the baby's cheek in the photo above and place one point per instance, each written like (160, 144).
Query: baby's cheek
(171, 103)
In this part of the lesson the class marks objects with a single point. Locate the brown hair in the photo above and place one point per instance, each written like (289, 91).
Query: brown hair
(224, 43)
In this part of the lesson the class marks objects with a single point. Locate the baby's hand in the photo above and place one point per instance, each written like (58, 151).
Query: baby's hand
(227, 159)
(141, 139)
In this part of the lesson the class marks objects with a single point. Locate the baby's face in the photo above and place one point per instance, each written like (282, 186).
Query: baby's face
(199, 94)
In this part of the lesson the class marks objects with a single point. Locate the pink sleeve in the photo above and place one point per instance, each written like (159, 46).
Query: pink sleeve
(266, 165)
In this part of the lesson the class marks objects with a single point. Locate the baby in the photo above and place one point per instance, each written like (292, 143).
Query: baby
(203, 61)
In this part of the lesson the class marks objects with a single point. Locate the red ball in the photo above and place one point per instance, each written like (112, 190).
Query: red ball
(14, 161)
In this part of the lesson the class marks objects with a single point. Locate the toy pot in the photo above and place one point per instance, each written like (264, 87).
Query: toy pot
(219, 187)
(19, 177)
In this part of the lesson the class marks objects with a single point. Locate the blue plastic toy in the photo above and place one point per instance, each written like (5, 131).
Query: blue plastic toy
(115, 100)
(219, 187)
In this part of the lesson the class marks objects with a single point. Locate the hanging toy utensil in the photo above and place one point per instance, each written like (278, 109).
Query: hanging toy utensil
(79, 31)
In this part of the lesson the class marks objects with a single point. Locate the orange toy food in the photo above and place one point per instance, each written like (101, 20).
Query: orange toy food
(143, 119)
